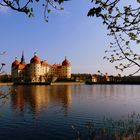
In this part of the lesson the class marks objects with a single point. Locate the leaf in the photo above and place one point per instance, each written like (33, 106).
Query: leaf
(138, 58)
(138, 41)
(61, 8)
(126, 54)
(116, 67)
(127, 43)
(49, 10)
(132, 36)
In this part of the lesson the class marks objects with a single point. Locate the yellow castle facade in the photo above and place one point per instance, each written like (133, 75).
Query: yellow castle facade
(39, 71)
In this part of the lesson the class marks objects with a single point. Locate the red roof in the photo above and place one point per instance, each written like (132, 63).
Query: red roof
(15, 63)
(20, 66)
(56, 65)
(35, 60)
(66, 63)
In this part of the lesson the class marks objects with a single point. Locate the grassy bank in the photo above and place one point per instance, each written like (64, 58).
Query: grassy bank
(6, 83)
(67, 83)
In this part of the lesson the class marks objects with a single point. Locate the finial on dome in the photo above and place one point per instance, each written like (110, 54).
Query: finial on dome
(35, 54)
(16, 58)
(65, 57)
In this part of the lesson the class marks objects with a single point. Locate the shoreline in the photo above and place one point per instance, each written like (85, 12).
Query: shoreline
(114, 83)
(67, 83)
(71, 83)
(51, 84)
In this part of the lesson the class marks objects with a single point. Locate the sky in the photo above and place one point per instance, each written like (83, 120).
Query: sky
(68, 33)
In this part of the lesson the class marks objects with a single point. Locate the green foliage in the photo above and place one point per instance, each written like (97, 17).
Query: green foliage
(122, 22)
(26, 6)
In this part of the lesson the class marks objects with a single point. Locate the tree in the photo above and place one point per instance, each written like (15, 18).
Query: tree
(122, 22)
(2, 64)
(2, 93)
(27, 6)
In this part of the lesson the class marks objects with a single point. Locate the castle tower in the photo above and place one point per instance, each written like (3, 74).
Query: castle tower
(14, 70)
(35, 68)
(66, 68)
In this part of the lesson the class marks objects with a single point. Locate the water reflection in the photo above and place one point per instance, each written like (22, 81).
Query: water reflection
(66, 100)
(47, 112)
(37, 98)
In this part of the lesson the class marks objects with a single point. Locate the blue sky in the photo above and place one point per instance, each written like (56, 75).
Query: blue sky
(68, 33)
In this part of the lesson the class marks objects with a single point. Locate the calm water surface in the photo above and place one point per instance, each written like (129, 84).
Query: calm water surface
(48, 112)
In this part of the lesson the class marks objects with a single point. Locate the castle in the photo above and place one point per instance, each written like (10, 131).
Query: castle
(39, 71)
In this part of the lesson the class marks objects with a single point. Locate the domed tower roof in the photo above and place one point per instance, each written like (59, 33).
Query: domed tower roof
(66, 62)
(35, 59)
(15, 63)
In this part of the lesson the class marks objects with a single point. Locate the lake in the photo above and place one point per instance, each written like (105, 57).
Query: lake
(49, 112)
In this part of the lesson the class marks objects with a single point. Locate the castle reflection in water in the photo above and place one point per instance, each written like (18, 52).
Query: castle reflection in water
(36, 98)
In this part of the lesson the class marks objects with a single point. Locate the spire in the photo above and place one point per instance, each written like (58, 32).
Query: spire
(22, 58)
(16, 58)
(35, 54)
(65, 57)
